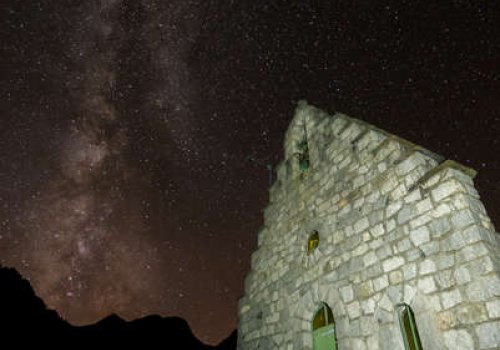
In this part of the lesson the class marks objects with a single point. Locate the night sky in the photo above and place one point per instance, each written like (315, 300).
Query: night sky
(125, 127)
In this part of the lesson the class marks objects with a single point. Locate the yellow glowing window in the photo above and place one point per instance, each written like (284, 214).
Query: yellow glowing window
(312, 242)
(323, 317)
(408, 327)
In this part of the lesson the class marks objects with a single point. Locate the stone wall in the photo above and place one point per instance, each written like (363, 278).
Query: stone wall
(396, 223)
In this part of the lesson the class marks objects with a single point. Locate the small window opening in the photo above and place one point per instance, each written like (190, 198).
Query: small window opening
(303, 156)
(302, 153)
(408, 327)
(312, 242)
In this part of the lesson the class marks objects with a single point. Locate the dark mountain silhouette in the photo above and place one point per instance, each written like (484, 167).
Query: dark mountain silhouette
(230, 342)
(25, 320)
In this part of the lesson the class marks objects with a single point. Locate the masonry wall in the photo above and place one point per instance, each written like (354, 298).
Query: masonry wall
(396, 222)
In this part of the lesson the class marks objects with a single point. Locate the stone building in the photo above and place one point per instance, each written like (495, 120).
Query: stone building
(370, 242)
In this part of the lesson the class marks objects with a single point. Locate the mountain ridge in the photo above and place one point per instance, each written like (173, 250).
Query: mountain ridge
(26, 319)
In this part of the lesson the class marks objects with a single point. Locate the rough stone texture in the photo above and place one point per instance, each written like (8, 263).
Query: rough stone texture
(396, 224)
(458, 339)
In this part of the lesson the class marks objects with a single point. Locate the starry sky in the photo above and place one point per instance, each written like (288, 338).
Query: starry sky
(125, 127)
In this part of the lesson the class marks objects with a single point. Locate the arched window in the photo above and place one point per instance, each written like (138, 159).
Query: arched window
(302, 153)
(303, 156)
(312, 242)
(408, 327)
(324, 329)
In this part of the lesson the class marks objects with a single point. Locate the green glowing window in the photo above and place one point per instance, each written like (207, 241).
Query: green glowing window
(324, 337)
(408, 327)
(312, 242)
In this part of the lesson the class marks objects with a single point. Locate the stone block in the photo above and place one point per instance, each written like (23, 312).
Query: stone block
(409, 164)
(403, 245)
(420, 235)
(439, 227)
(361, 225)
(377, 230)
(489, 335)
(475, 291)
(462, 275)
(374, 270)
(427, 285)
(386, 304)
(375, 217)
(491, 285)
(360, 249)
(483, 288)
(420, 220)
(393, 208)
(429, 248)
(347, 293)
(388, 185)
(404, 215)
(395, 277)
(368, 306)
(365, 289)
(409, 271)
(471, 313)
(424, 206)
(446, 320)
(394, 293)
(307, 341)
(377, 243)
(384, 251)
(427, 266)
(380, 283)
(392, 263)
(471, 252)
(409, 293)
(483, 266)
(474, 234)
(413, 196)
(358, 181)
(453, 242)
(353, 310)
(476, 205)
(342, 324)
(441, 210)
(370, 258)
(451, 298)
(445, 279)
(458, 340)
(399, 191)
(366, 236)
(390, 225)
(358, 344)
(493, 308)
(444, 261)
(390, 338)
(445, 189)
(462, 218)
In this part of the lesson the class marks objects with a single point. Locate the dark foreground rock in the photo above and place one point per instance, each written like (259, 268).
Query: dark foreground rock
(26, 321)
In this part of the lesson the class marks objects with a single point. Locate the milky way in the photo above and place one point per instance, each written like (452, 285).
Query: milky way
(84, 237)
(126, 125)
(82, 261)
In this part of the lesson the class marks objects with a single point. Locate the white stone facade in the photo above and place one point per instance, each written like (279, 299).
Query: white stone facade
(396, 224)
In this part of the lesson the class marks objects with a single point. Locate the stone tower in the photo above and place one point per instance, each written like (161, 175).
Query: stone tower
(370, 242)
